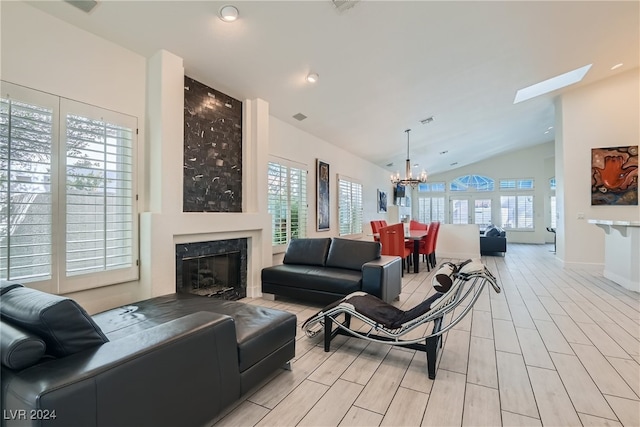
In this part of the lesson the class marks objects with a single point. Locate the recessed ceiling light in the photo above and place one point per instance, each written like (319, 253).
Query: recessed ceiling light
(551, 84)
(615, 67)
(312, 77)
(454, 163)
(299, 116)
(444, 152)
(228, 13)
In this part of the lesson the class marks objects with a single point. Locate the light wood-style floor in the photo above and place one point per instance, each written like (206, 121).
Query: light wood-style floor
(558, 347)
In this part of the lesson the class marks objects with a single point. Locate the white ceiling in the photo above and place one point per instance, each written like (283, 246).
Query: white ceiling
(386, 65)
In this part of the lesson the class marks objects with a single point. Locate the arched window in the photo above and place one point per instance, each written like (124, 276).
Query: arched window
(472, 183)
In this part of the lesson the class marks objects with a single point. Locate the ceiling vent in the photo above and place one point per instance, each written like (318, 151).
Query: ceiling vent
(84, 5)
(343, 5)
(299, 117)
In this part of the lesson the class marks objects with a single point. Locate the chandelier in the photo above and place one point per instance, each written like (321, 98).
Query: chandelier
(408, 178)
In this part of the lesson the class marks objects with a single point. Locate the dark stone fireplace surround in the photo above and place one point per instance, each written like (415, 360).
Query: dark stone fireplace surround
(212, 174)
(214, 247)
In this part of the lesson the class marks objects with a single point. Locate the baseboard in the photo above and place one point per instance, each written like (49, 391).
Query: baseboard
(457, 255)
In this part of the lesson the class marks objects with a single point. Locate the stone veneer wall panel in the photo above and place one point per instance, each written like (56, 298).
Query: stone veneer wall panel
(212, 150)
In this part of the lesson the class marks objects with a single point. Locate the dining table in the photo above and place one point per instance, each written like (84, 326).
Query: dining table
(416, 236)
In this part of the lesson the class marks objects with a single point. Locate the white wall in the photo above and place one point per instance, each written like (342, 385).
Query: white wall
(533, 162)
(288, 142)
(44, 53)
(604, 114)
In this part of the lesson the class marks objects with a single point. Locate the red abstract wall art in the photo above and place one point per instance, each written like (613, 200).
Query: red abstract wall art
(614, 176)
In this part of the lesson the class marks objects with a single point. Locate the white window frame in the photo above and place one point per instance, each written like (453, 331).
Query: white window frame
(58, 281)
(350, 207)
(286, 198)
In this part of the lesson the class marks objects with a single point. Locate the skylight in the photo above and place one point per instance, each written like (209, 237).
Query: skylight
(551, 84)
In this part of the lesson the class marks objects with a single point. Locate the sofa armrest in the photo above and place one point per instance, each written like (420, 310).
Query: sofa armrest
(383, 277)
(492, 244)
(182, 372)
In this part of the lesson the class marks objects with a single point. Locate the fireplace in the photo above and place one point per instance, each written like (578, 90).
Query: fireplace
(216, 269)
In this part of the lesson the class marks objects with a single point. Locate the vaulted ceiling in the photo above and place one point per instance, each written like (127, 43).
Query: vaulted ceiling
(386, 65)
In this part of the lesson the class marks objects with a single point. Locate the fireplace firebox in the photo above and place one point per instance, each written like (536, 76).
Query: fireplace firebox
(216, 269)
(210, 275)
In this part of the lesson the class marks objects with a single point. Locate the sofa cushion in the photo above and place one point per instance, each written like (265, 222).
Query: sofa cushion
(326, 279)
(307, 251)
(65, 327)
(6, 286)
(493, 231)
(18, 348)
(351, 254)
(259, 331)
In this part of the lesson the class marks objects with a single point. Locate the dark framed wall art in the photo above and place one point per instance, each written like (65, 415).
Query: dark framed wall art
(322, 196)
(382, 201)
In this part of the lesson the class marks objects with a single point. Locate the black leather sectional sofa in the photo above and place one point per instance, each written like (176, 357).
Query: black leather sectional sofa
(493, 241)
(174, 360)
(326, 269)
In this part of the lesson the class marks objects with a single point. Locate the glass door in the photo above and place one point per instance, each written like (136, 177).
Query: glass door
(459, 210)
(470, 210)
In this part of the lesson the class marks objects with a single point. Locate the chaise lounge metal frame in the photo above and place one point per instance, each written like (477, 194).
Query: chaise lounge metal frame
(465, 285)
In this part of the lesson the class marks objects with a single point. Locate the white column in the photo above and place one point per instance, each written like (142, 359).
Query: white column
(165, 111)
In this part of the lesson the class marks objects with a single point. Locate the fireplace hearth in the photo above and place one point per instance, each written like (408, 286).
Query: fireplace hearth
(216, 269)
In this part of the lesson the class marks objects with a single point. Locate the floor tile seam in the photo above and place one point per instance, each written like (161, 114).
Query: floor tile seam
(621, 397)
(609, 336)
(522, 415)
(596, 383)
(590, 377)
(564, 387)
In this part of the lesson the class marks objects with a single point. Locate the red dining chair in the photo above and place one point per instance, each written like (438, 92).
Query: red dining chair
(392, 241)
(416, 225)
(435, 242)
(429, 246)
(429, 249)
(376, 225)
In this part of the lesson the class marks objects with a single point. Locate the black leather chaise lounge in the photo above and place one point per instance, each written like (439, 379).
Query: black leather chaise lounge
(386, 323)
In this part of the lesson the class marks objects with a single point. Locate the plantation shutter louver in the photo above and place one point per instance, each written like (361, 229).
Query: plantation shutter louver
(99, 195)
(298, 200)
(525, 211)
(278, 202)
(350, 207)
(437, 209)
(26, 202)
(287, 202)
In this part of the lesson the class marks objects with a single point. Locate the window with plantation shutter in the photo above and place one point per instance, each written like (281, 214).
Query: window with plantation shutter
(516, 212)
(482, 213)
(287, 201)
(430, 209)
(349, 206)
(68, 216)
(525, 212)
(424, 209)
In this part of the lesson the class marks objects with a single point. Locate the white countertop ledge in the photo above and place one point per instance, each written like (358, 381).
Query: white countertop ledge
(611, 222)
